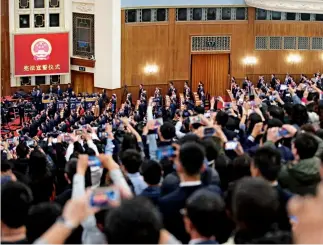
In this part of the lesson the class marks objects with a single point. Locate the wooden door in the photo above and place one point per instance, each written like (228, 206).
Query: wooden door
(212, 70)
(82, 82)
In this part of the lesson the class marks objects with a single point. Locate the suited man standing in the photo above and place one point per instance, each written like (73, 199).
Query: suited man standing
(189, 165)
(51, 90)
(59, 91)
(21, 107)
(69, 89)
(141, 90)
(273, 81)
(38, 100)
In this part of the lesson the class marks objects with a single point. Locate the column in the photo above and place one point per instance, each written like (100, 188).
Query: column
(107, 44)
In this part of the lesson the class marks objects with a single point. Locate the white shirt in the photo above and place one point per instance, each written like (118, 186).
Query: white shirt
(190, 183)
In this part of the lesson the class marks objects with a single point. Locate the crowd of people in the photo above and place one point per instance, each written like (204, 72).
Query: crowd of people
(164, 170)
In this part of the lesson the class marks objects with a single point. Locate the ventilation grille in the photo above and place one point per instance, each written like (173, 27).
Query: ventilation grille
(211, 43)
(289, 43)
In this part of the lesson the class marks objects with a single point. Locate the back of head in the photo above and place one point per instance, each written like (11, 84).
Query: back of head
(152, 172)
(129, 142)
(70, 171)
(131, 160)
(205, 210)
(40, 218)
(16, 199)
(299, 115)
(254, 204)
(22, 150)
(306, 145)
(240, 167)
(211, 149)
(191, 156)
(167, 130)
(276, 112)
(222, 118)
(135, 221)
(254, 118)
(268, 161)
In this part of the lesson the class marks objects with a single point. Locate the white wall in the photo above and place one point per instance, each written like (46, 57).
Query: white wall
(107, 44)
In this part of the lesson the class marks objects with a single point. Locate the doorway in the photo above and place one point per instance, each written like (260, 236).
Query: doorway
(82, 82)
(212, 70)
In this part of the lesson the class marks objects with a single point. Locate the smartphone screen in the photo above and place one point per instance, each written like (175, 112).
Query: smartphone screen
(231, 145)
(10, 141)
(282, 132)
(209, 131)
(78, 132)
(195, 119)
(30, 143)
(66, 138)
(101, 197)
(165, 152)
(158, 122)
(94, 161)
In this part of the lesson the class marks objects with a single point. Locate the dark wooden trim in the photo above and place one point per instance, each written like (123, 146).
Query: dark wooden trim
(5, 48)
(83, 62)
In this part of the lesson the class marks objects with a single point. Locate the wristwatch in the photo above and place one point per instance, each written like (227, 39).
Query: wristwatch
(68, 224)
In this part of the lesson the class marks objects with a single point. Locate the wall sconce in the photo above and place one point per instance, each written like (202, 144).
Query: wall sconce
(250, 60)
(294, 58)
(151, 69)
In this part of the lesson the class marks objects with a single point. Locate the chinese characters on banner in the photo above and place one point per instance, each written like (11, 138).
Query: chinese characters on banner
(41, 54)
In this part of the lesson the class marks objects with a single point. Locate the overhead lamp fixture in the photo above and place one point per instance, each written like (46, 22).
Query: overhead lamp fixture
(250, 60)
(151, 69)
(294, 58)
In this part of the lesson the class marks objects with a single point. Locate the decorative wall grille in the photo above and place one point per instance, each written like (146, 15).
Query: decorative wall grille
(210, 43)
(288, 43)
(317, 43)
(261, 43)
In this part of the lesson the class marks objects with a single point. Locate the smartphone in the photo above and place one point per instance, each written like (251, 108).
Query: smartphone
(165, 152)
(94, 161)
(195, 119)
(227, 105)
(252, 104)
(283, 87)
(10, 141)
(101, 196)
(209, 131)
(30, 143)
(78, 132)
(321, 96)
(159, 122)
(231, 145)
(84, 126)
(66, 138)
(103, 134)
(293, 218)
(282, 132)
(207, 115)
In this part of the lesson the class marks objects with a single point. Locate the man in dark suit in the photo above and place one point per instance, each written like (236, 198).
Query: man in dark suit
(222, 120)
(69, 89)
(189, 164)
(273, 81)
(141, 89)
(171, 89)
(59, 91)
(204, 214)
(38, 100)
(51, 90)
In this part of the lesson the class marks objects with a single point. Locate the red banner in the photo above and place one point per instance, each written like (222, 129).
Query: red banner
(41, 54)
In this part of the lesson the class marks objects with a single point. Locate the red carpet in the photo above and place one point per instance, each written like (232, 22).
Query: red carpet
(12, 126)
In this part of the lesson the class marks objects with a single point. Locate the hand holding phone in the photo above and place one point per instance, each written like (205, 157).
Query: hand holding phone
(209, 131)
(94, 161)
(283, 132)
(104, 196)
(231, 145)
(165, 152)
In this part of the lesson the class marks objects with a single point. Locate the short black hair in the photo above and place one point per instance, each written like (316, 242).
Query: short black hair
(16, 199)
(22, 150)
(40, 218)
(222, 118)
(268, 161)
(211, 149)
(191, 156)
(240, 167)
(6, 166)
(254, 118)
(152, 172)
(299, 114)
(135, 221)
(276, 112)
(131, 160)
(205, 209)
(167, 130)
(306, 145)
(70, 170)
(254, 204)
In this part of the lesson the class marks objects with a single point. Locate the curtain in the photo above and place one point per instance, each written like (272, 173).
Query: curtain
(212, 70)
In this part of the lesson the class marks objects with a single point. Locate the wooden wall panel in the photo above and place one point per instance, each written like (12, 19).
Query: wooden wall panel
(5, 48)
(168, 46)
